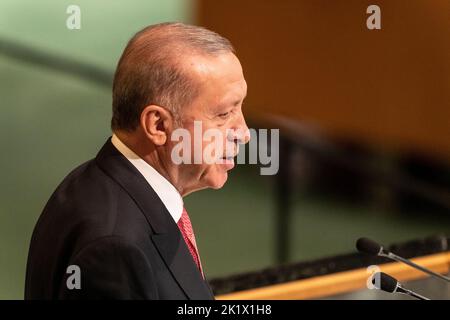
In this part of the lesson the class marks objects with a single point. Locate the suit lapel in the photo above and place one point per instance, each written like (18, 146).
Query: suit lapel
(167, 237)
(179, 260)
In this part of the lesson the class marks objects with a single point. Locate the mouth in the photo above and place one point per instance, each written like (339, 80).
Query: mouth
(228, 161)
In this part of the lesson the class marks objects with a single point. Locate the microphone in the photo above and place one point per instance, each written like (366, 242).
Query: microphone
(385, 282)
(367, 246)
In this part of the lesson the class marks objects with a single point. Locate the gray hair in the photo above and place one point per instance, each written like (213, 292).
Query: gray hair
(150, 70)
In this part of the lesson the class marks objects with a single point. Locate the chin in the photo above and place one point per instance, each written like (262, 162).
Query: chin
(217, 180)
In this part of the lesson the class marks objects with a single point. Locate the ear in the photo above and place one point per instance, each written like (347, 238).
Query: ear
(157, 124)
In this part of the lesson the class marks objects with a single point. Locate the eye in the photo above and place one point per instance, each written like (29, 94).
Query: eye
(224, 115)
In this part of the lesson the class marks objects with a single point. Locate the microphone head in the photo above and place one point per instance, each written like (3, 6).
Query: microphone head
(368, 246)
(384, 282)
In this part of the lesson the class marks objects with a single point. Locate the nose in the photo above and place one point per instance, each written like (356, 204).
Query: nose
(240, 132)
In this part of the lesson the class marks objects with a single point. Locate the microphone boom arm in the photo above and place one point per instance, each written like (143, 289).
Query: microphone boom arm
(392, 256)
(402, 290)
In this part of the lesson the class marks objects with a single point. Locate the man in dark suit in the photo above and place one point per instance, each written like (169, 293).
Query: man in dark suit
(116, 227)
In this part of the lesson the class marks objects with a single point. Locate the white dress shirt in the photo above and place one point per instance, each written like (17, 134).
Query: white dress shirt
(168, 194)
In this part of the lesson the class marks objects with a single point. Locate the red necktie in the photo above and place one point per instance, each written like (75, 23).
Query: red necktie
(188, 234)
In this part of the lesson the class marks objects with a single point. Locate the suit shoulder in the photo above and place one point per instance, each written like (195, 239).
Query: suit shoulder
(86, 203)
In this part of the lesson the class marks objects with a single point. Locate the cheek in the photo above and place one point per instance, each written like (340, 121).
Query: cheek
(207, 148)
(213, 150)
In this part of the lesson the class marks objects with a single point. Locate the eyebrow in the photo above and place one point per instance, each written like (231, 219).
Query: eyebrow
(235, 103)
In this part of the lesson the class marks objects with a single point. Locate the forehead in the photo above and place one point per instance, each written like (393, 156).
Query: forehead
(219, 77)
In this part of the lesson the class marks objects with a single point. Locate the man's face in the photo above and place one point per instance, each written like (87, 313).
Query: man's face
(218, 106)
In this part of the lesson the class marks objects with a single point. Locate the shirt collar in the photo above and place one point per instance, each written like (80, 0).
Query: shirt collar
(168, 194)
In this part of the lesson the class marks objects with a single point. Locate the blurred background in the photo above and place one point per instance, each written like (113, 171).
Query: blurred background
(364, 119)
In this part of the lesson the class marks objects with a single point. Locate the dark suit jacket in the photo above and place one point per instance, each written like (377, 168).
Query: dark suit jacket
(107, 220)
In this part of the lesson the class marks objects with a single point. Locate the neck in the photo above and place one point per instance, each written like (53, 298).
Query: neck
(155, 156)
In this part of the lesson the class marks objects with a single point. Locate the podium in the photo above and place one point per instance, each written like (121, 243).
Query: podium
(343, 277)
